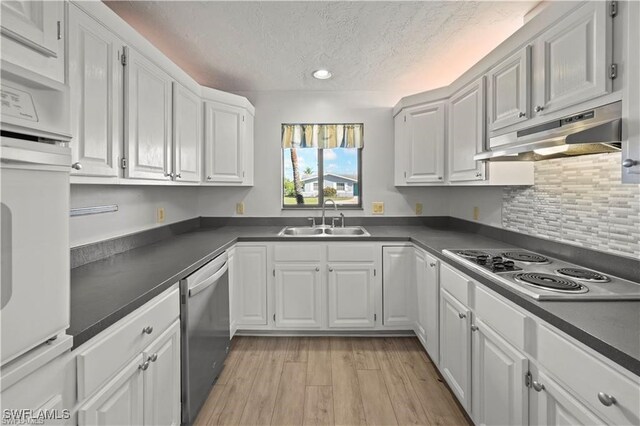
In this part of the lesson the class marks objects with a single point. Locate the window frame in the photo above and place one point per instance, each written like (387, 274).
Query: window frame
(320, 179)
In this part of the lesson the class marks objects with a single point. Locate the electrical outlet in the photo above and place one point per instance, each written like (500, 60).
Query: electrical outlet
(240, 208)
(418, 209)
(476, 213)
(378, 207)
(160, 215)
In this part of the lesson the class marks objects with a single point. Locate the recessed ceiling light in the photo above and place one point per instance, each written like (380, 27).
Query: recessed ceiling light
(322, 74)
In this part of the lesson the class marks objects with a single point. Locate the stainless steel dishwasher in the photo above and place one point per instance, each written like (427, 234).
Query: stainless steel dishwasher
(204, 315)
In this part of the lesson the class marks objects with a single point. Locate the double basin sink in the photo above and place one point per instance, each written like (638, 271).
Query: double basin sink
(323, 231)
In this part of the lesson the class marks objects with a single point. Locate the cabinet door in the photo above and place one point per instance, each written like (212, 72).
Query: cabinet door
(631, 101)
(400, 152)
(120, 402)
(95, 83)
(223, 135)
(455, 347)
(397, 278)
(500, 394)
(162, 379)
(421, 296)
(466, 132)
(187, 134)
(250, 285)
(509, 84)
(298, 296)
(571, 59)
(351, 295)
(552, 405)
(431, 303)
(424, 130)
(148, 119)
(35, 24)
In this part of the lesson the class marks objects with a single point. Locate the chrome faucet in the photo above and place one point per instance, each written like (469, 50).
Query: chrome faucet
(324, 205)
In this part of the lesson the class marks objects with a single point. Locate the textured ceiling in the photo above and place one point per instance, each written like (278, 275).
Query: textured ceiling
(403, 47)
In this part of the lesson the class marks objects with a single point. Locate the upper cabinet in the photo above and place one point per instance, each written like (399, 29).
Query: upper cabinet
(32, 36)
(228, 144)
(466, 132)
(147, 119)
(420, 144)
(187, 134)
(631, 100)
(508, 91)
(572, 59)
(95, 83)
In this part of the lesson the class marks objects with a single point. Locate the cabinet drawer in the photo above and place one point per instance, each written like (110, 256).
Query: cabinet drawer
(298, 252)
(117, 345)
(501, 317)
(586, 375)
(345, 252)
(455, 283)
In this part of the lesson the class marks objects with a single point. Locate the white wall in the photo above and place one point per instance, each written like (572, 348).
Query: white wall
(137, 209)
(462, 200)
(273, 108)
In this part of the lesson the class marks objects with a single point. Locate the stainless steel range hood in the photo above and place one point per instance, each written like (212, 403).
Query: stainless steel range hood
(589, 132)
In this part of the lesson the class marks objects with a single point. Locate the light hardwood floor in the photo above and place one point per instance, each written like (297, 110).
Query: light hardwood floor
(329, 380)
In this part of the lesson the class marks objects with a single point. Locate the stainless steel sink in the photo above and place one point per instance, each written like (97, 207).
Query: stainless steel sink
(307, 231)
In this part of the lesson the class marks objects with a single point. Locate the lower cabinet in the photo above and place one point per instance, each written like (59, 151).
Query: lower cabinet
(145, 392)
(249, 285)
(551, 405)
(351, 295)
(397, 285)
(427, 301)
(298, 295)
(455, 350)
(499, 389)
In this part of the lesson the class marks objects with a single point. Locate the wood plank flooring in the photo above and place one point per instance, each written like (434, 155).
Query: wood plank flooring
(329, 381)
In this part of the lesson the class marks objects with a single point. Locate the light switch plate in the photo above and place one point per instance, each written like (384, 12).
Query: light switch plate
(239, 208)
(418, 209)
(160, 215)
(378, 207)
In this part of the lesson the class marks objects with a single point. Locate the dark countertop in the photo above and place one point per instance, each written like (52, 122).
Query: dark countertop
(104, 291)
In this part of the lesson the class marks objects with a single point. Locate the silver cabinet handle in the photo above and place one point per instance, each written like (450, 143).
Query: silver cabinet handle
(144, 366)
(606, 399)
(153, 357)
(461, 315)
(474, 327)
(330, 269)
(439, 177)
(178, 175)
(521, 114)
(478, 174)
(317, 269)
(76, 166)
(432, 265)
(147, 330)
(539, 108)
(168, 175)
(626, 163)
(537, 386)
(209, 178)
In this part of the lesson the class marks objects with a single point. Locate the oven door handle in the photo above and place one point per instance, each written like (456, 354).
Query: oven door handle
(209, 281)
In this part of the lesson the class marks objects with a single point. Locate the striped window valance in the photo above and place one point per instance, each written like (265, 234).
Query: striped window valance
(322, 136)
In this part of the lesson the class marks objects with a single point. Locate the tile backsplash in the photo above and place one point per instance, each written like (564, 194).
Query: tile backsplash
(580, 201)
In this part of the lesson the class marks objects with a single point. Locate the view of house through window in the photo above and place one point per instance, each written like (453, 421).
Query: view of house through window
(312, 175)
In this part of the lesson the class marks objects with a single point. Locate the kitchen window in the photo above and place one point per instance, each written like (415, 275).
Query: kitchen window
(321, 162)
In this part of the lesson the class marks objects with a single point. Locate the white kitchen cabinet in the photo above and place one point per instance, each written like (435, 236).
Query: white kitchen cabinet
(120, 402)
(250, 285)
(508, 89)
(551, 405)
(33, 36)
(631, 99)
(351, 291)
(427, 301)
(148, 119)
(572, 59)
(95, 83)
(187, 134)
(466, 134)
(298, 295)
(397, 285)
(455, 347)
(423, 143)
(227, 144)
(500, 395)
(162, 379)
